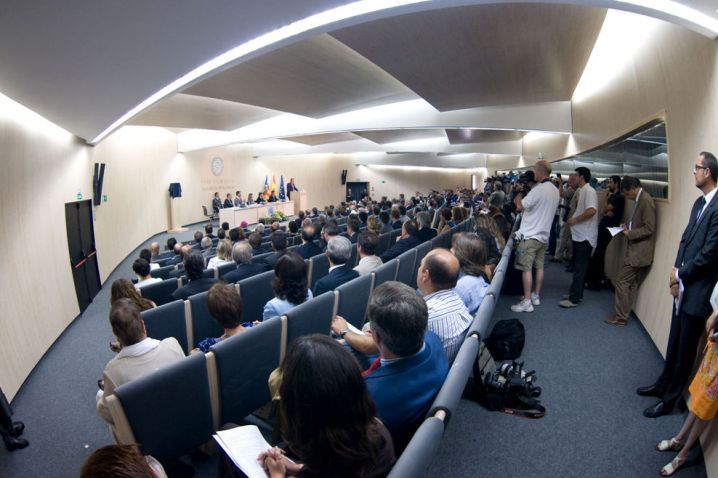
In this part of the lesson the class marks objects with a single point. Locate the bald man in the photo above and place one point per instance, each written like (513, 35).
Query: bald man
(448, 316)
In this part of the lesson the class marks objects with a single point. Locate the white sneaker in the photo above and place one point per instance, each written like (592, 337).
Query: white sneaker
(535, 299)
(523, 306)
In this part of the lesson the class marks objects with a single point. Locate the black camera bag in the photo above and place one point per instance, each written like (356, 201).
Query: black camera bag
(506, 341)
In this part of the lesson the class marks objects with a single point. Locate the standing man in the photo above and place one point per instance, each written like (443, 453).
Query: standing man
(612, 214)
(692, 280)
(640, 231)
(291, 187)
(538, 207)
(216, 203)
(584, 234)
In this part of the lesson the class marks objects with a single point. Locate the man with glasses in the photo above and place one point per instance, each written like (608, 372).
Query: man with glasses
(692, 279)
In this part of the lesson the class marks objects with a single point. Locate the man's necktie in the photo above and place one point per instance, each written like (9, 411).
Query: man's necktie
(702, 203)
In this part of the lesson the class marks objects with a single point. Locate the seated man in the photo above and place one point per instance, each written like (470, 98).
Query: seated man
(197, 242)
(396, 221)
(142, 268)
(206, 248)
(425, 232)
(138, 356)
(353, 230)
(366, 245)
(208, 231)
(308, 248)
(177, 258)
(339, 250)
(147, 255)
(278, 240)
(448, 316)
(255, 241)
(329, 230)
(194, 267)
(154, 252)
(242, 256)
(412, 367)
(406, 241)
(385, 224)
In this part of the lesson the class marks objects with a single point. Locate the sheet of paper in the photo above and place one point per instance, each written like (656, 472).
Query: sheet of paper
(615, 230)
(243, 445)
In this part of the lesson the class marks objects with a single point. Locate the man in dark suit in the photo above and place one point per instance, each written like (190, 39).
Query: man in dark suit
(692, 279)
(425, 232)
(353, 230)
(308, 248)
(255, 241)
(406, 241)
(242, 256)
(216, 203)
(291, 187)
(194, 267)
(278, 241)
(339, 250)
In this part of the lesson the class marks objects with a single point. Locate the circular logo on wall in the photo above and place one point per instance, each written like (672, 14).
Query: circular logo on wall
(217, 166)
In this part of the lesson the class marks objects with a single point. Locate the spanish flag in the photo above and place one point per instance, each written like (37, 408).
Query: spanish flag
(274, 185)
(266, 188)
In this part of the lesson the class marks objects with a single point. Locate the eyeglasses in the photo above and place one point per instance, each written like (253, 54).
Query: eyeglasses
(696, 168)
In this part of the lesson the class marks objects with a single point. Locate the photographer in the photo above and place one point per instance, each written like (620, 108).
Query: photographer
(538, 205)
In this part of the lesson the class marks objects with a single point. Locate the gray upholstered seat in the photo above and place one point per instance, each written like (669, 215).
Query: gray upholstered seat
(256, 291)
(312, 317)
(167, 320)
(385, 272)
(160, 292)
(420, 451)
(203, 325)
(353, 297)
(162, 272)
(320, 268)
(407, 267)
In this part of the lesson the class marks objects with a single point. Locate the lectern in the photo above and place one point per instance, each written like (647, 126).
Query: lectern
(300, 200)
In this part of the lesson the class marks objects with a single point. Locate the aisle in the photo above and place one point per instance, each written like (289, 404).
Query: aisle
(594, 425)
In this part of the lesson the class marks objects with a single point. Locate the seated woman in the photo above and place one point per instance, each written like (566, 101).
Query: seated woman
(290, 285)
(225, 306)
(125, 289)
(374, 225)
(446, 223)
(224, 254)
(474, 275)
(493, 240)
(327, 417)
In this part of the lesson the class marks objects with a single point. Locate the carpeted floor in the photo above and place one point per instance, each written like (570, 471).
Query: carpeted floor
(588, 372)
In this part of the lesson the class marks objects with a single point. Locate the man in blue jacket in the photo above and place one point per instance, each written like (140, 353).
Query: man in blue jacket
(412, 366)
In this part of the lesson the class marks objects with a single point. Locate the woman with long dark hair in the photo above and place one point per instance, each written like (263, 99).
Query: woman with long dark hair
(125, 289)
(474, 274)
(290, 285)
(327, 417)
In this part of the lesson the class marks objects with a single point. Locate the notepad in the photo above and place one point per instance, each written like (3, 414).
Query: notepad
(615, 230)
(243, 445)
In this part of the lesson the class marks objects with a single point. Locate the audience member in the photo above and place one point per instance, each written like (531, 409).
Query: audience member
(278, 241)
(538, 206)
(289, 285)
(405, 242)
(124, 289)
(328, 231)
(194, 267)
(255, 241)
(611, 217)
(339, 250)
(293, 228)
(177, 258)
(445, 222)
(425, 232)
(208, 231)
(197, 242)
(366, 247)
(235, 235)
(308, 248)
(638, 256)
(142, 268)
(138, 356)
(693, 277)
(412, 367)
(171, 243)
(374, 225)
(154, 252)
(224, 254)
(147, 255)
(225, 226)
(121, 461)
(225, 306)
(327, 416)
(242, 256)
(474, 274)
(221, 234)
(395, 219)
(584, 234)
(386, 225)
(352, 230)
(206, 248)
(448, 316)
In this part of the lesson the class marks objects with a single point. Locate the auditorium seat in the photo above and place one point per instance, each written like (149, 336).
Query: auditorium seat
(224, 268)
(242, 366)
(437, 242)
(455, 383)
(255, 291)
(261, 257)
(394, 235)
(353, 258)
(203, 325)
(162, 272)
(421, 450)
(167, 320)
(160, 292)
(320, 268)
(407, 267)
(385, 272)
(312, 317)
(352, 299)
(168, 412)
(384, 243)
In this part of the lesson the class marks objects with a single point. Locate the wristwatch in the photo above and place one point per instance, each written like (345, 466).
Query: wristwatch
(343, 333)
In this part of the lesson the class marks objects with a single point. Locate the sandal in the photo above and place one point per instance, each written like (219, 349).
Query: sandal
(669, 445)
(672, 467)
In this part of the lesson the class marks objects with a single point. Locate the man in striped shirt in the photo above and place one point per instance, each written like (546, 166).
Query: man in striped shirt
(448, 316)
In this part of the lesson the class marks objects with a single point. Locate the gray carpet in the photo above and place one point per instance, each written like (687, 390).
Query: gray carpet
(588, 372)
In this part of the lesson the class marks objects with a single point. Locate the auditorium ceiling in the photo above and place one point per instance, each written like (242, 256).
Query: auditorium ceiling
(442, 78)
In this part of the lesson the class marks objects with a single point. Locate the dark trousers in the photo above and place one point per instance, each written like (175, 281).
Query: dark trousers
(581, 258)
(553, 235)
(686, 331)
(596, 273)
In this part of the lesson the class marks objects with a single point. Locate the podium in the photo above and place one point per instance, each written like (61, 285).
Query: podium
(175, 223)
(300, 200)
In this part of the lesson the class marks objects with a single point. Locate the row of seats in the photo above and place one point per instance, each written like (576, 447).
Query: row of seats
(176, 409)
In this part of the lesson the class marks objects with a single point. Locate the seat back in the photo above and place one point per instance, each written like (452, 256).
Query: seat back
(167, 320)
(421, 251)
(385, 272)
(353, 259)
(384, 243)
(160, 292)
(169, 411)
(224, 268)
(320, 268)
(162, 272)
(455, 383)
(312, 317)
(244, 363)
(203, 325)
(394, 234)
(407, 262)
(256, 291)
(352, 299)
(421, 450)
(261, 257)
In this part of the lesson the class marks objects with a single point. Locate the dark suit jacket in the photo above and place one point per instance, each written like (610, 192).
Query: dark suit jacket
(353, 238)
(334, 279)
(308, 250)
(399, 248)
(396, 224)
(176, 259)
(194, 287)
(697, 259)
(426, 234)
(243, 271)
(216, 204)
(271, 261)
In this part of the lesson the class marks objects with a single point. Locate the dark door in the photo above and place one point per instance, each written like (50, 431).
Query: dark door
(357, 190)
(83, 255)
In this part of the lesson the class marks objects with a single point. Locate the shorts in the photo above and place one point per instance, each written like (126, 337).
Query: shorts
(529, 254)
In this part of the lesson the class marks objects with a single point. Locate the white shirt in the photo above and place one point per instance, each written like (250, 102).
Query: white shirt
(215, 262)
(154, 265)
(708, 197)
(539, 208)
(449, 319)
(588, 229)
(151, 280)
(368, 264)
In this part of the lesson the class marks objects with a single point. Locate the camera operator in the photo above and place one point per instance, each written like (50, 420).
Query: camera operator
(538, 205)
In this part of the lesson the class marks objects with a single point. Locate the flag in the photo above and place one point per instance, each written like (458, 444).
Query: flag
(274, 184)
(282, 196)
(266, 188)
